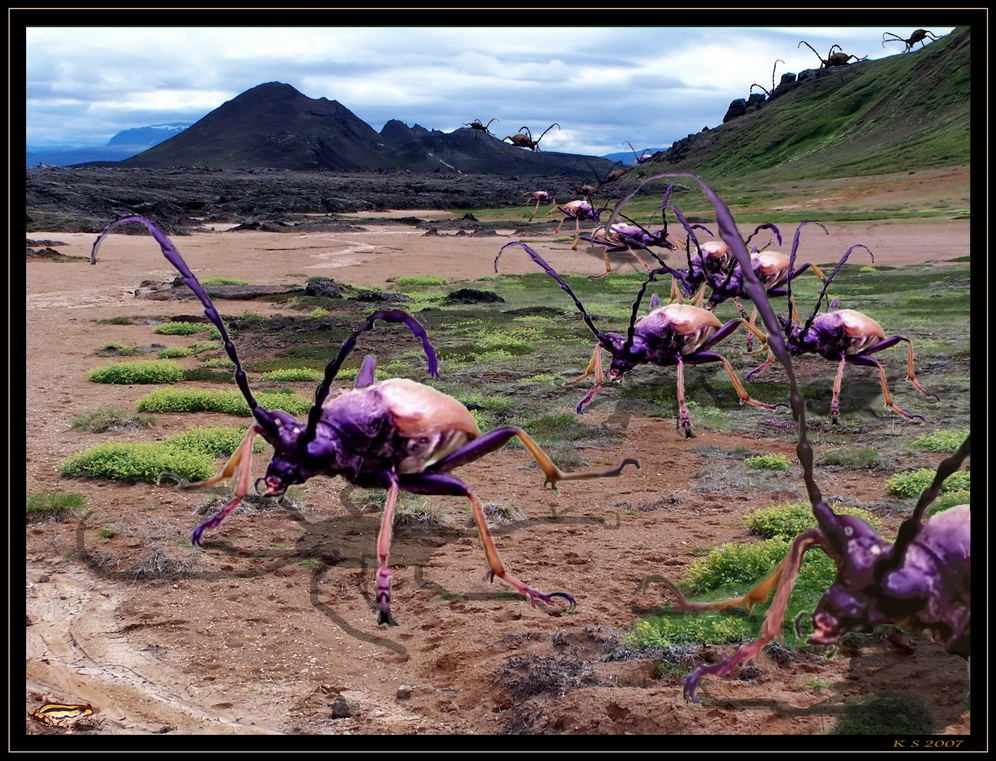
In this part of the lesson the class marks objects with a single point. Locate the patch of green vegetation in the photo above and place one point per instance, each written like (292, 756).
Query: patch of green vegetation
(199, 347)
(767, 462)
(228, 402)
(140, 372)
(884, 715)
(138, 462)
(217, 441)
(319, 312)
(310, 563)
(949, 500)
(223, 281)
(182, 328)
(295, 374)
(859, 458)
(110, 419)
(54, 506)
(417, 281)
(944, 440)
(788, 520)
(107, 533)
(175, 352)
(911, 483)
(218, 363)
(118, 350)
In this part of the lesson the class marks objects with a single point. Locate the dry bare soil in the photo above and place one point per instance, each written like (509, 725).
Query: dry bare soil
(269, 628)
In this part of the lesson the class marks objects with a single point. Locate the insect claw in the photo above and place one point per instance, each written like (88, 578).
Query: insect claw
(384, 617)
(571, 606)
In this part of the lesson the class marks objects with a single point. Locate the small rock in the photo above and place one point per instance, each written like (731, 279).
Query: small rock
(472, 296)
(341, 708)
(404, 692)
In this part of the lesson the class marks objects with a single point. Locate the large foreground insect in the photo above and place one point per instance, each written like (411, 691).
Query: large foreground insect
(396, 434)
(919, 35)
(847, 337)
(919, 582)
(676, 334)
(525, 140)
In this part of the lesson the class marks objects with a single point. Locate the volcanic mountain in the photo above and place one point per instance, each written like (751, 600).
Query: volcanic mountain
(274, 125)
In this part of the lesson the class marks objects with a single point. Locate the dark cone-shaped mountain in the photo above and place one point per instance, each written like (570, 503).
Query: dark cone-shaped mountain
(274, 125)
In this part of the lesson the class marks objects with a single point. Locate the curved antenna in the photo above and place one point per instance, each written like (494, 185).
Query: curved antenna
(322, 392)
(755, 290)
(528, 133)
(791, 265)
(631, 331)
(262, 416)
(803, 42)
(546, 130)
(896, 37)
(910, 527)
(602, 337)
(830, 277)
(634, 151)
(831, 49)
(765, 226)
(773, 67)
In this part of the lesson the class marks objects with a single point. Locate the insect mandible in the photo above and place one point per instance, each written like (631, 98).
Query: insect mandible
(394, 434)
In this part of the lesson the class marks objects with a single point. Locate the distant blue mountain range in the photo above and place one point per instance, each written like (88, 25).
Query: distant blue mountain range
(627, 157)
(123, 145)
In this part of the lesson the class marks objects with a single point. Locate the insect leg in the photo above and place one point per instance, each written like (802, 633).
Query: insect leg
(242, 456)
(701, 357)
(446, 484)
(866, 361)
(772, 627)
(383, 550)
(835, 400)
(910, 374)
(492, 440)
(684, 420)
(752, 374)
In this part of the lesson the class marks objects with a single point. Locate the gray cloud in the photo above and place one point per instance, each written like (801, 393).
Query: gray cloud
(603, 85)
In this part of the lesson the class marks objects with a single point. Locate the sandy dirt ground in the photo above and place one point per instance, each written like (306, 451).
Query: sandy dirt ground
(249, 639)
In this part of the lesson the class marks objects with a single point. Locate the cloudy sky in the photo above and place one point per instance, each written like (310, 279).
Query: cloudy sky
(603, 85)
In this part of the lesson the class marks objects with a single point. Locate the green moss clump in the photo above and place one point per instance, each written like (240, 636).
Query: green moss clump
(138, 462)
(110, 419)
(143, 371)
(175, 352)
(944, 440)
(228, 402)
(55, 506)
(292, 374)
(792, 518)
(912, 482)
(767, 462)
(949, 500)
(223, 281)
(181, 328)
(217, 441)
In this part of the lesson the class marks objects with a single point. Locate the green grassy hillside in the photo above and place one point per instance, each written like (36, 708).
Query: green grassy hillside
(907, 111)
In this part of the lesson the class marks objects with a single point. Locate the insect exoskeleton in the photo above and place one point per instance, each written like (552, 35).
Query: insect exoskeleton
(432, 423)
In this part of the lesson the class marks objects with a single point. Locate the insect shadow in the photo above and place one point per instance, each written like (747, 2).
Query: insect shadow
(340, 542)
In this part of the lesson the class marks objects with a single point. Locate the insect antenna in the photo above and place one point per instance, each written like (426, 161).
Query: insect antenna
(910, 527)
(651, 276)
(390, 315)
(546, 130)
(602, 337)
(830, 277)
(765, 226)
(261, 415)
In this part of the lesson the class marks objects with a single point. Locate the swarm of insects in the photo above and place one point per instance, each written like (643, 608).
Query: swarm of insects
(921, 581)
(395, 434)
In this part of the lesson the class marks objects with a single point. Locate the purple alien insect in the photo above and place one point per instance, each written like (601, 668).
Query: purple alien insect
(921, 582)
(395, 434)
